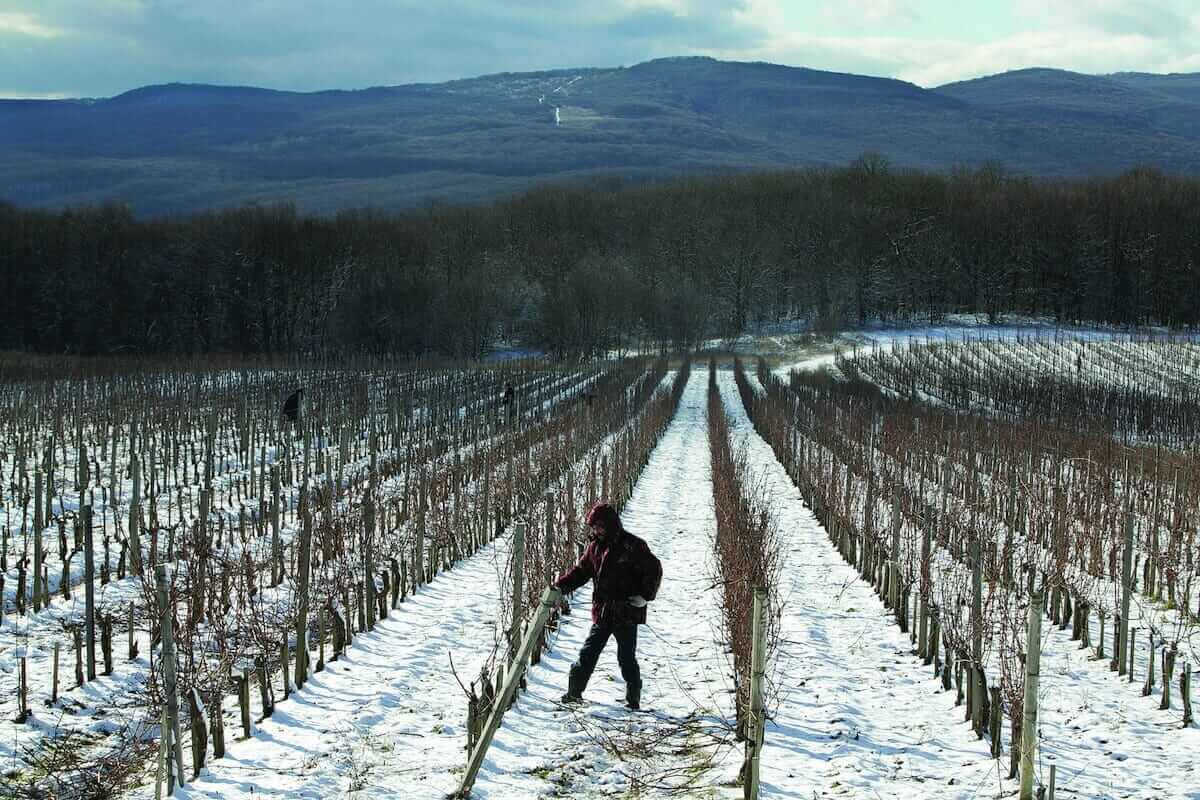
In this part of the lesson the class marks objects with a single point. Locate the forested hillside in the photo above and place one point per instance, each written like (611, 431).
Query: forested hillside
(181, 148)
(585, 269)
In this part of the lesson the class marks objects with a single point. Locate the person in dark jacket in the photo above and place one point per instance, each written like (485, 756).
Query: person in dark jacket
(291, 406)
(625, 576)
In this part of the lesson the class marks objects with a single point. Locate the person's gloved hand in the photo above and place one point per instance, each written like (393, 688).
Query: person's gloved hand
(637, 601)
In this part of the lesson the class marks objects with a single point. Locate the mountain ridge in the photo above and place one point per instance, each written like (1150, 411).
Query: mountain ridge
(181, 147)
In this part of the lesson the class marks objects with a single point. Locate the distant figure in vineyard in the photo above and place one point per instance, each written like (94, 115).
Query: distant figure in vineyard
(291, 406)
(625, 577)
(507, 399)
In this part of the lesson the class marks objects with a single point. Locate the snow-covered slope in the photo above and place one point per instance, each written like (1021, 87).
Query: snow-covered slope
(682, 740)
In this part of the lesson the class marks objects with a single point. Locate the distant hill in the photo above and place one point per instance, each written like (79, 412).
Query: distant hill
(179, 148)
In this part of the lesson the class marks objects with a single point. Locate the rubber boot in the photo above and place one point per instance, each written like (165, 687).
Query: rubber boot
(633, 696)
(575, 686)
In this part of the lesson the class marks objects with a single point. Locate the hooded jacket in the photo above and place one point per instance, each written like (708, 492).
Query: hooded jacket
(620, 569)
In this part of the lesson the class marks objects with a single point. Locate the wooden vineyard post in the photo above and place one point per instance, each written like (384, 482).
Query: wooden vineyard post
(923, 632)
(418, 543)
(303, 564)
(1033, 658)
(276, 545)
(82, 478)
(152, 504)
(22, 687)
(385, 582)
(164, 748)
(509, 494)
(362, 612)
(320, 641)
(1185, 692)
(518, 584)
(89, 578)
(106, 642)
(216, 724)
(339, 633)
(976, 689)
(549, 543)
(283, 667)
(895, 524)
(199, 734)
(1132, 650)
(210, 441)
(135, 516)
(65, 583)
(77, 636)
(994, 722)
(486, 515)
(931, 653)
(264, 687)
(1122, 643)
(398, 579)
(757, 727)
(21, 572)
(171, 731)
(38, 524)
(1149, 685)
(48, 468)
(550, 599)
(133, 646)
(54, 684)
(243, 689)
(368, 560)
(1168, 672)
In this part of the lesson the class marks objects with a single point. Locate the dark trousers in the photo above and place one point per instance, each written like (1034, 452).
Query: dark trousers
(626, 636)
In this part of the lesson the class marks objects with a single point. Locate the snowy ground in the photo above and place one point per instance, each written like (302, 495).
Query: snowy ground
(823, 355)
(855, 712)
(106, 711)
(386, 720)
(546, 750)
(872, 722)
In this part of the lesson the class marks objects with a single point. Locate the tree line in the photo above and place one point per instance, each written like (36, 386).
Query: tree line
(583, 269)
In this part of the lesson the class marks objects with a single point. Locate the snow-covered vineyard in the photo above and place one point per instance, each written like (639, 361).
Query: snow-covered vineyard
(351, 591)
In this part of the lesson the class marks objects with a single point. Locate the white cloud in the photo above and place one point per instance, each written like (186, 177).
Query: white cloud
(26, 25)
(1183, 64)
(14, 94)
(1092, 36)
(871, 12)
(99, 47)
(1064, 50)
(679, 7)
(1163, 19)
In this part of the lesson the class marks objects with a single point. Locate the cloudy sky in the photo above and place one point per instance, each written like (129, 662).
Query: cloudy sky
(98, 48)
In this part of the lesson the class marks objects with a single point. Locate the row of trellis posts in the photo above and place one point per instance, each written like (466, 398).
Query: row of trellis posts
(96, 620)
(170, 765)
(867, 550)
(485, 712)
(83, 632)
(336, 623)
(877, 564)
